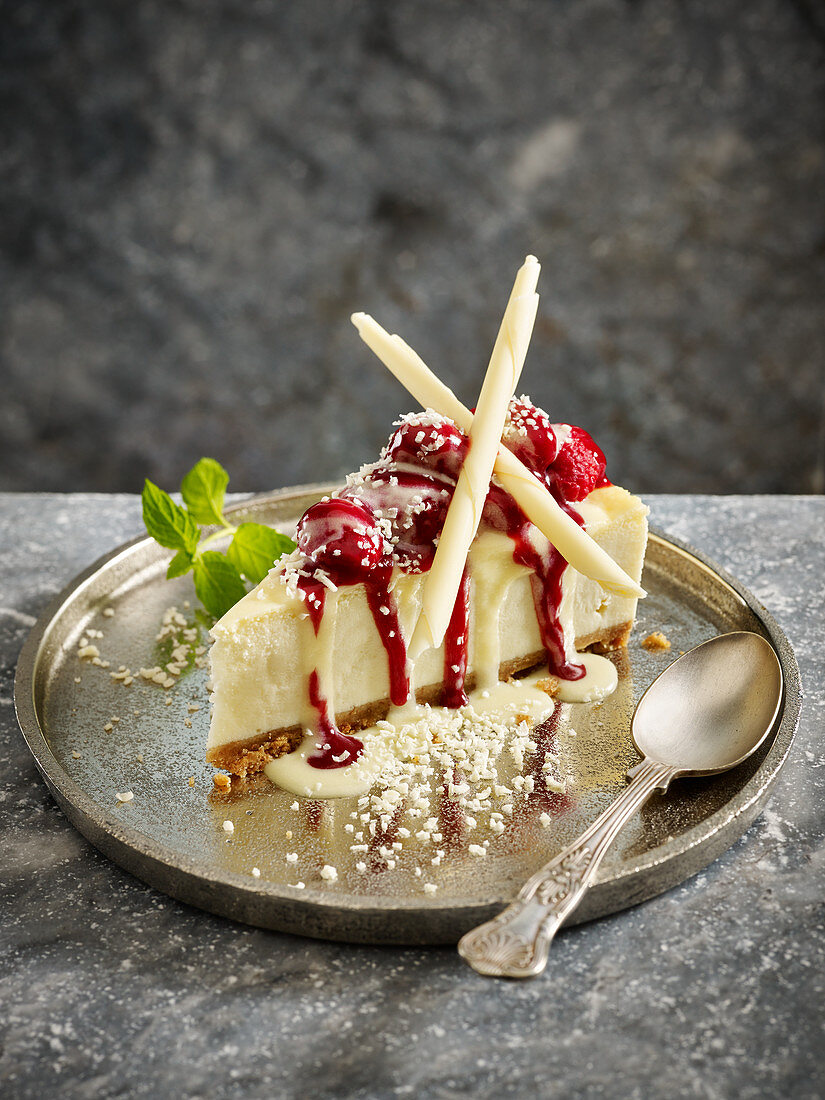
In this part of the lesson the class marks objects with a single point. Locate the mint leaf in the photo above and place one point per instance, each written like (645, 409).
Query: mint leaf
(180, 564)
(219, 578)
(167, 522)
(203, 490)
(217, 583)
(255, 548)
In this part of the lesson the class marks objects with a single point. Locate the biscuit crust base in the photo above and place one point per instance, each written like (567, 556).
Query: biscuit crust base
(251, 755)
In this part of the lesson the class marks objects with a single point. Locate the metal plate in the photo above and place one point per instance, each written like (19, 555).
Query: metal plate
(171, 834)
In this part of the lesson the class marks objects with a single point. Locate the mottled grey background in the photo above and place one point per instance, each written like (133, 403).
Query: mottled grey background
(195, 195)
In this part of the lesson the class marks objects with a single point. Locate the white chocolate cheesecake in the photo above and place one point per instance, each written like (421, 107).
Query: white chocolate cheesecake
(319, 649)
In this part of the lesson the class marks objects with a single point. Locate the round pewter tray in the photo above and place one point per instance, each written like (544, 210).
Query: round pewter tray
(171, 834)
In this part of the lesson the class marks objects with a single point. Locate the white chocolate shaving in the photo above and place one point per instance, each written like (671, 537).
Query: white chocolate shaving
(464, 514)
(571, 541)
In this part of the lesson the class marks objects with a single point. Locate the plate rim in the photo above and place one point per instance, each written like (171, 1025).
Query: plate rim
(194, 881)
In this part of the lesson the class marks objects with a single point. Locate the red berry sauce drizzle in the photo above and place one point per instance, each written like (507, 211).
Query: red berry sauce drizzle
(455, 647)
(337, 749)
(391, 514)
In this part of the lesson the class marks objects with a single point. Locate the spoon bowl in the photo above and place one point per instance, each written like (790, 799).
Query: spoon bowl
(712, 707)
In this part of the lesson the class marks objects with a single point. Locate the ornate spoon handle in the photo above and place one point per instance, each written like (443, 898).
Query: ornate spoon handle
(515, 943)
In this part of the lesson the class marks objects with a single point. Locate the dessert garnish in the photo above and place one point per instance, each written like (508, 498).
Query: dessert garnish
(189, 530)
(521, 481)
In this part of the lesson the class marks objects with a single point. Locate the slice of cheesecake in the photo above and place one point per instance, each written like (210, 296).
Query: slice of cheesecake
(319, 648)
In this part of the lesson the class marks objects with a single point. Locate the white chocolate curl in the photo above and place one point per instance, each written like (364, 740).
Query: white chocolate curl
(464, 514)
(572, 541)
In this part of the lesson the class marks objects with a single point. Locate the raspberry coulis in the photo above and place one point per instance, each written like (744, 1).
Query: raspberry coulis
(337, 749)
(391, 514)
(455, 647)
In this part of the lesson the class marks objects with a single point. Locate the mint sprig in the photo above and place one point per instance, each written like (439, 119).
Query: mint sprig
(219, 577)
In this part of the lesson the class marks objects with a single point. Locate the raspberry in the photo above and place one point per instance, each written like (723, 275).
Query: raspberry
(579, 466)
(417, 501)
(440, 448)
(341, 536)
(530, 436)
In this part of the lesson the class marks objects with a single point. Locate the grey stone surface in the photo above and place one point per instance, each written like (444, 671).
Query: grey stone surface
(714, 990)
(196, 195)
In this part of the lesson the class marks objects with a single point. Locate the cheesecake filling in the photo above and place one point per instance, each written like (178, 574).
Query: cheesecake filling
(386, 523)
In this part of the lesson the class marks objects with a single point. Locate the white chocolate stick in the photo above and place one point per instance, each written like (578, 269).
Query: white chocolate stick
(572, 541)
(464, 513)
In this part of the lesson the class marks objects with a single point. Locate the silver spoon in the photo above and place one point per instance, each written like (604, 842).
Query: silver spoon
(706, 713)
